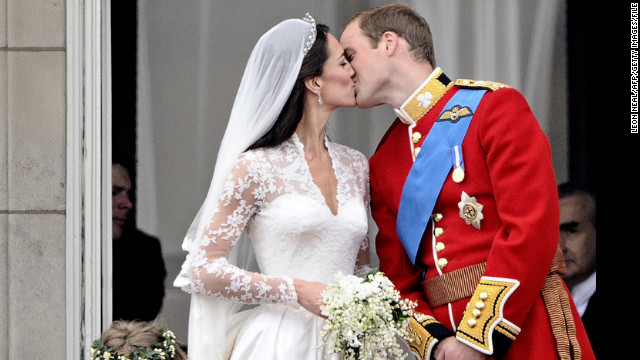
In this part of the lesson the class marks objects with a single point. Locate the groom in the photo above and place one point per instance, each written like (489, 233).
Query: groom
(464, 196)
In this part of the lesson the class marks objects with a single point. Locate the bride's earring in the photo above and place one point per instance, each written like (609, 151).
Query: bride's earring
(319, 98)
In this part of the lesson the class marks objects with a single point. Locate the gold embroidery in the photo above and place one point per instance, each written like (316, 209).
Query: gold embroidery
(424, 99)
(489, 85)
(507, 331)
(484, 314)
(455, 114)
(421, 342)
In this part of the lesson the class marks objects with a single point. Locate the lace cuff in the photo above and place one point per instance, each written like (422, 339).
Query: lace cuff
(289, 294)
(362, 270)
(223, 280)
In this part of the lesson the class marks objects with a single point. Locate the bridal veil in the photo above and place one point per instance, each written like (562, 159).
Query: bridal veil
(269, 77)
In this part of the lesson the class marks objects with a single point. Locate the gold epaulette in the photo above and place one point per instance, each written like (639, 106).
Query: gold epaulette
(479, 84)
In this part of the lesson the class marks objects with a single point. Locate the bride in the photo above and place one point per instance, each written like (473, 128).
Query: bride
(286, 210)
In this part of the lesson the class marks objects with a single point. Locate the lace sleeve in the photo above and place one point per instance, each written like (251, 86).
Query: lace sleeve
(212, 273)
(363, 261)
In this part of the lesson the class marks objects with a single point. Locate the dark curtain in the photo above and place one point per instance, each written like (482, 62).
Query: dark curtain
(124, 86)
(582, 147)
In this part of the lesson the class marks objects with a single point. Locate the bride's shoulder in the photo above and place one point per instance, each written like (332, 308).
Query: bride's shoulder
(247, 157)
(250, 159)
(251, 164)
(264, 156)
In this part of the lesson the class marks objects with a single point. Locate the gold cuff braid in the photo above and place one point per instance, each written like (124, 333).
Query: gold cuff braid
(485, 313)
(421, 342)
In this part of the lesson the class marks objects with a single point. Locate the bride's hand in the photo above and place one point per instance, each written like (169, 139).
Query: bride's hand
(310, 295)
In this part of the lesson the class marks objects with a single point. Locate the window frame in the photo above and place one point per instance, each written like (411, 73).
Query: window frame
(88, 174)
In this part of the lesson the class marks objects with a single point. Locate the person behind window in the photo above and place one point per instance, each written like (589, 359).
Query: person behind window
(578, 242)
(138, 267)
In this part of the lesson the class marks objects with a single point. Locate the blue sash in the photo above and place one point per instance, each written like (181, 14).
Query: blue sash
(430, 169)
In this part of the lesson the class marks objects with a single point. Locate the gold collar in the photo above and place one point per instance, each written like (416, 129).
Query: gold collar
(424, 98)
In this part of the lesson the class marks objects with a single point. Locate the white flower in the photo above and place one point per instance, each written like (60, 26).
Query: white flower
(365, 317)
(352, 339)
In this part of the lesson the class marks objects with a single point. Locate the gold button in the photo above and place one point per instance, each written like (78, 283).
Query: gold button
(476, 313)
(479, 305)
(415, 137)
(438, 231)
(483, 296)
(439, 246)
(416, 151)
(437, 217)
(472, 322)
(442, 263)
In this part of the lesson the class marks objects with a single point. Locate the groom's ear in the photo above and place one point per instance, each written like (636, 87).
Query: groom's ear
(389, 42)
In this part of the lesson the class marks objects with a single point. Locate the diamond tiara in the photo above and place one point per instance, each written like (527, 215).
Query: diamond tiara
(312, 37)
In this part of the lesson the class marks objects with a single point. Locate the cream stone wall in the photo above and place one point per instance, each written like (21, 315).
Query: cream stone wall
(32, 179)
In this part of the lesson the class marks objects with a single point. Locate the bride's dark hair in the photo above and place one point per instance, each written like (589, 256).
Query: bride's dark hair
(291, 113)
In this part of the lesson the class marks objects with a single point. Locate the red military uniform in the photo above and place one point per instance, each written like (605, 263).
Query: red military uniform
(508, 241)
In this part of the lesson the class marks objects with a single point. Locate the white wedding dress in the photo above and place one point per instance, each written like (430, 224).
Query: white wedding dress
(271, 196)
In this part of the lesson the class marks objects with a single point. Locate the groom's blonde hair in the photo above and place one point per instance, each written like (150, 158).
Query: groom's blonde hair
(404, 21)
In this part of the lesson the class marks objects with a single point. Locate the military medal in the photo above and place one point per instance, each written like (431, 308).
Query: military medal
(470, 210)
(458, 164)
(458, 174)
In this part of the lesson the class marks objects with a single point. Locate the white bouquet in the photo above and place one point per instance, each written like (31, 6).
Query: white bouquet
(365, 317)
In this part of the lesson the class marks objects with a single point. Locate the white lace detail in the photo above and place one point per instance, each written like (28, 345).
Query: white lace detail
(270, 195)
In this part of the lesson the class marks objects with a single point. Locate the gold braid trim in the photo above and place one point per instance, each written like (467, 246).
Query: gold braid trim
(485, 312)
(424, 98)
(435, 89)
(489, 85)
(421, 342)
(507, 330)
(558, 307)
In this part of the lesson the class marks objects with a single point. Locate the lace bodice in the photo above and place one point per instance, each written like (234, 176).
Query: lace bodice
(270, 194)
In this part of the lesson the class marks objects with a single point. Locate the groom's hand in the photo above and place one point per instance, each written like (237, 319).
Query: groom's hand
(452, 349)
